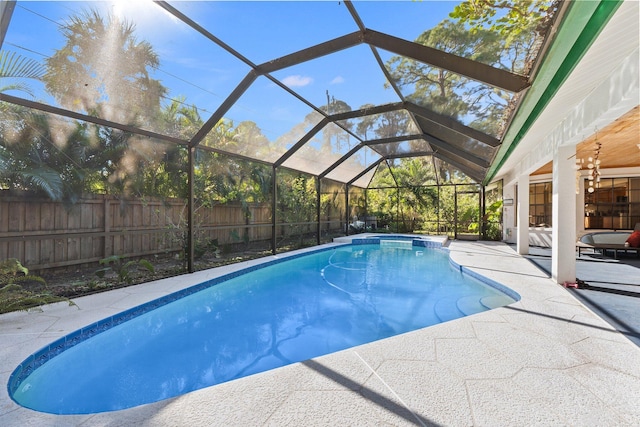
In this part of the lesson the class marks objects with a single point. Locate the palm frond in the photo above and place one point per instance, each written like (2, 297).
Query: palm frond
(17, 66)
(17, 86)
(47, 180)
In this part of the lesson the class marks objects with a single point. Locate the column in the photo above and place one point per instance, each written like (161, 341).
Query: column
(522, 239)
(563, 216)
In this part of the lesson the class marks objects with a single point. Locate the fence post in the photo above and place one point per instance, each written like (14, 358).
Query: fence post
(107, 247)
(318, 209)
(274, 206)
(191, 211)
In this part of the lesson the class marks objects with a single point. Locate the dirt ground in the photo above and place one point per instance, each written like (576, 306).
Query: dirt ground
(43, 287)
(77, 282)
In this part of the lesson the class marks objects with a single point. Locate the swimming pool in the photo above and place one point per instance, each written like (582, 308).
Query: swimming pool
(248, 322)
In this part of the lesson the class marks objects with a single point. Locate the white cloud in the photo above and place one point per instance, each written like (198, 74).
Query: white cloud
(337, 80)
(297, 81)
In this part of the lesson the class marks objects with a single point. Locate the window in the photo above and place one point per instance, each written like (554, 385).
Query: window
(540, 196)
(614, 204)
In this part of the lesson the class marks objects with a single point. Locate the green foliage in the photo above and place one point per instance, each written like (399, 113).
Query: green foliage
(20, 290)
(499, 33)
(205, 245)
(404, 210)
(123, 269)
(296, 197)
(447, 93)
(15, 68)
(13, 65)
(25, 154)
(493, 221)
(507, 18)
(108, 86)
(63, 158)
(10, 268)
(296, 204)
(12, 272)
(222, 179)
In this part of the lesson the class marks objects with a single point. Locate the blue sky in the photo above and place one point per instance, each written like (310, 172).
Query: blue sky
(192, 66)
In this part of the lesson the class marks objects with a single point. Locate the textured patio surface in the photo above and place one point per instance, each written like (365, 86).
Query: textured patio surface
(545, 360)
(611, 287)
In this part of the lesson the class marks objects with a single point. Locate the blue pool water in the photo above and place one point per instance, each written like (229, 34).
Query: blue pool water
(269, 317)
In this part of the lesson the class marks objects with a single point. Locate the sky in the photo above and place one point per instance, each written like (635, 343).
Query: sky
(192, 66)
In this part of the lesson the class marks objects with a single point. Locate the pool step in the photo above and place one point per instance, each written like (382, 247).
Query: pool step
(397, 244)
(471, 304)
(447, 309)
(496, 301)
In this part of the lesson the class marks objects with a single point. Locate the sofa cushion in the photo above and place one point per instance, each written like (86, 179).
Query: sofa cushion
(606, 238)
(634, 239)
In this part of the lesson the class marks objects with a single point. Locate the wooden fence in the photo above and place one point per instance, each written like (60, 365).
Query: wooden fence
(43, 234)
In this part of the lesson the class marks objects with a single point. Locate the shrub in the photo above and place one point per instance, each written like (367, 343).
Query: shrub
(122, 269)
(20, 290)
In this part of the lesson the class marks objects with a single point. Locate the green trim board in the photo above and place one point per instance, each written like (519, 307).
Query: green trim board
(582, 24)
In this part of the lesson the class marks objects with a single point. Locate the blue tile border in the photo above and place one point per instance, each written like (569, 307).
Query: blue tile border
(415, 242)
(490, 282)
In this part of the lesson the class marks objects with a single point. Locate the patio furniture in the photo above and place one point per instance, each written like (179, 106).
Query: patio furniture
(604, 241)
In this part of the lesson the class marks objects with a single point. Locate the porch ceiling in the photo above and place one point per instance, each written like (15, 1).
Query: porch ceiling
(620, 144)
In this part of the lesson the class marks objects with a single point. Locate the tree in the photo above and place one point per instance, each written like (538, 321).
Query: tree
(333, 137)
(366, 123)
(180, 120)
(101, 70)
(382, 195)
(445, 92)
(296, 204)
(503, 34)
(20, 167)
(16, 68)
(418, 192)
(392, 123)
(36, 154)
(521, 25)
(104, 70)
(250, 140)
(508, 18)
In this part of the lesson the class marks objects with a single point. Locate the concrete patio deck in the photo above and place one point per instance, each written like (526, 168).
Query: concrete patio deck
(611, 287)
(544, 360)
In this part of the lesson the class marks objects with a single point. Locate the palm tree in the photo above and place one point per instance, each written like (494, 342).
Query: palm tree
(14, 66)
(101, 70)
(104, 70)
(20, 166)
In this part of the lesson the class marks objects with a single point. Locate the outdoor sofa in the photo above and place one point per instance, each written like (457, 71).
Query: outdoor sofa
(614, 241)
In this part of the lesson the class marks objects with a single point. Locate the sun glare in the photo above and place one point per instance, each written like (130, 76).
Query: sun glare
(144, 13)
